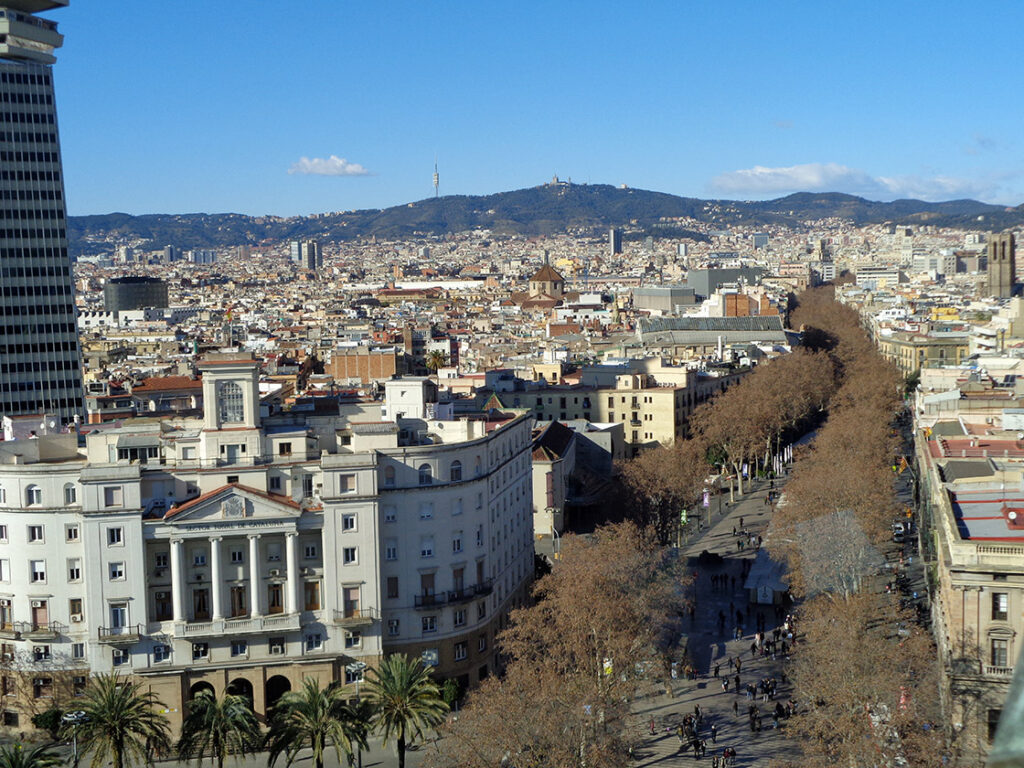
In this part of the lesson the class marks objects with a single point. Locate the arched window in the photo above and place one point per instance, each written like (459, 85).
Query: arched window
(232, 405)
(33, 495)
(426, 476)
(456, 471)
(70, 494)
(389, 477)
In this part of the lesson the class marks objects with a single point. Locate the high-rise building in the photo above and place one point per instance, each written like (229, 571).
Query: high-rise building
(614, 241)
(306, 253)
(40, 360)
(124, 293)
(1002, 265)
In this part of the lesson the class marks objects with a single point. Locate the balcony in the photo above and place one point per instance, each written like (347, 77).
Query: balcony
(992, 671)
(430, 601)
(248, 625)
(485, 587)
(121, 635)
(359, 617)
(10, 630)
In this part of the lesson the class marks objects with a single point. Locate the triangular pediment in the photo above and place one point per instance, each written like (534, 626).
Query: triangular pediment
(233, 502)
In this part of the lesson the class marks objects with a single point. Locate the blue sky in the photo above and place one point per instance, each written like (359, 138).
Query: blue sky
(305, 106)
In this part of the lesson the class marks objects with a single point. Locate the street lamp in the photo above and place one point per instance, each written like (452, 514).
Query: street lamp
(556, 541)
(356, 669)
(74, 719)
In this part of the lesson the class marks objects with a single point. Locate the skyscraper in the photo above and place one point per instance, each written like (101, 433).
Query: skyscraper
(1002, 265)
(306, 253)
(614, 241)
(40, 360)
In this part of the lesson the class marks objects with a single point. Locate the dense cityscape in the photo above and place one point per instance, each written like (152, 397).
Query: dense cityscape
(575, 492)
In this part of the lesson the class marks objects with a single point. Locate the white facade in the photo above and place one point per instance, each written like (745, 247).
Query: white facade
(240, 553)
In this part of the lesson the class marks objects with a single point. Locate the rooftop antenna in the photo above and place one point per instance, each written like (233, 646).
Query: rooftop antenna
(436, 177)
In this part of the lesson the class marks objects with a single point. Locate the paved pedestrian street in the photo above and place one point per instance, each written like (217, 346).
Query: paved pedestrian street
(709, 646)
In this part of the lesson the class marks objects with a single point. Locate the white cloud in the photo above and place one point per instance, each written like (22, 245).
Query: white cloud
(760, 181)
(327, 166)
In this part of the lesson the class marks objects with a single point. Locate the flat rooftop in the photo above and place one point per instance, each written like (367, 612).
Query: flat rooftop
(982, 515)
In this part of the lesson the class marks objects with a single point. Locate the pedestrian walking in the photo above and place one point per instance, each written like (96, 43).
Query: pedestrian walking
(716, 670)
(735, 708)
(714, 734)
(652, 726)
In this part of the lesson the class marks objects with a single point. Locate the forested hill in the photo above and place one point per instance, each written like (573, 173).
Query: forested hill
(535, 211)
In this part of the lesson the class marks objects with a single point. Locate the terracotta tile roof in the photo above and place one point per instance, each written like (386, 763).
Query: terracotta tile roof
(165, 383)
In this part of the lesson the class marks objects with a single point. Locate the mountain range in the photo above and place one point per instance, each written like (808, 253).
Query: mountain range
(547, 209)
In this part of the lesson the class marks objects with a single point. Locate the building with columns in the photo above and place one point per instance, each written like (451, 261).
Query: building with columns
(249, 549)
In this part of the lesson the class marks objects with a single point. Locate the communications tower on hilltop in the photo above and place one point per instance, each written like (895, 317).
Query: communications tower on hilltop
(436, 177)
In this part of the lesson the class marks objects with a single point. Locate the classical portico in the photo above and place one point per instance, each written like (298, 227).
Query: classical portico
(235, 563)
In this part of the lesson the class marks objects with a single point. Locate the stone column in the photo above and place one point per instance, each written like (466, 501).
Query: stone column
(177, 580)
(216, 589)
(291, 547)
(254, 575)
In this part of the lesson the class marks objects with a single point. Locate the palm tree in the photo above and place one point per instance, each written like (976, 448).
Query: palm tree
(314, 716)
(436, 359)
(218, 727)
(121, 723)
(405, 699)
(16, 756)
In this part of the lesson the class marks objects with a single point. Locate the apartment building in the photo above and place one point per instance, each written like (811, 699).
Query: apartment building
(243, 551)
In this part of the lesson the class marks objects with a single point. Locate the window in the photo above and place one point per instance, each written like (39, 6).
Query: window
(309, 552)
(460, 651)
(426, 474)
(5, 570)
(346, 483)
(199, 559)
(426, 510)
(275, 483)
(33, 495)
(457, 541)
(237, 556)
(460, 617)
(392, 587)
(70, 494)
(232, 479)
(348, 522)
(1000, 606)
(457, 506)
(231, 402)
(74, 572)
(35, 533)
(78, 683)
(38, 570)
(391, 549)
(314, 641)
(353, 639)
(200, 651)
(42, 687)
(479, 535)
(427, 546)
(161, 652)
(71, 533)
(119, 615)
(116, 571)
(160, 560)
(993, 722)
(41, 653)
(78, 651)
(389, 477)
(3, 533)
(481, 643)
(390, 513)
(455, 473)
(392, 627)
(429, 624)
(113, 496)
(349, 555)
(75, 606)
(239, 648)
(115, 536)
(353, 677)
(119, 657)
(164, 606)
(284, 449)
(275, 646)
(273, 553)
(311, 592)
(481, 609)
(3, 495)
(1000, 653)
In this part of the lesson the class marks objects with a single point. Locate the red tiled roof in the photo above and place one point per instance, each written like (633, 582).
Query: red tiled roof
(164, 383)
(210, 494)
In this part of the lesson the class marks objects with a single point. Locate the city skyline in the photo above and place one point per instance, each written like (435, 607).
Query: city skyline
(336, 108)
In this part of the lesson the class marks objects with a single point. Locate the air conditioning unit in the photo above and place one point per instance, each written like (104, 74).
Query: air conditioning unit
(275, 571)
(38, 603)
(276, 650)
(76, 617)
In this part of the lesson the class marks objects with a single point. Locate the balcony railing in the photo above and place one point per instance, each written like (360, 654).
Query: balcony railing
(355, 617)
(485, 587)
(9, 630)
(994, 671)
(131, 633)
(282, 622)
(430, 601)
